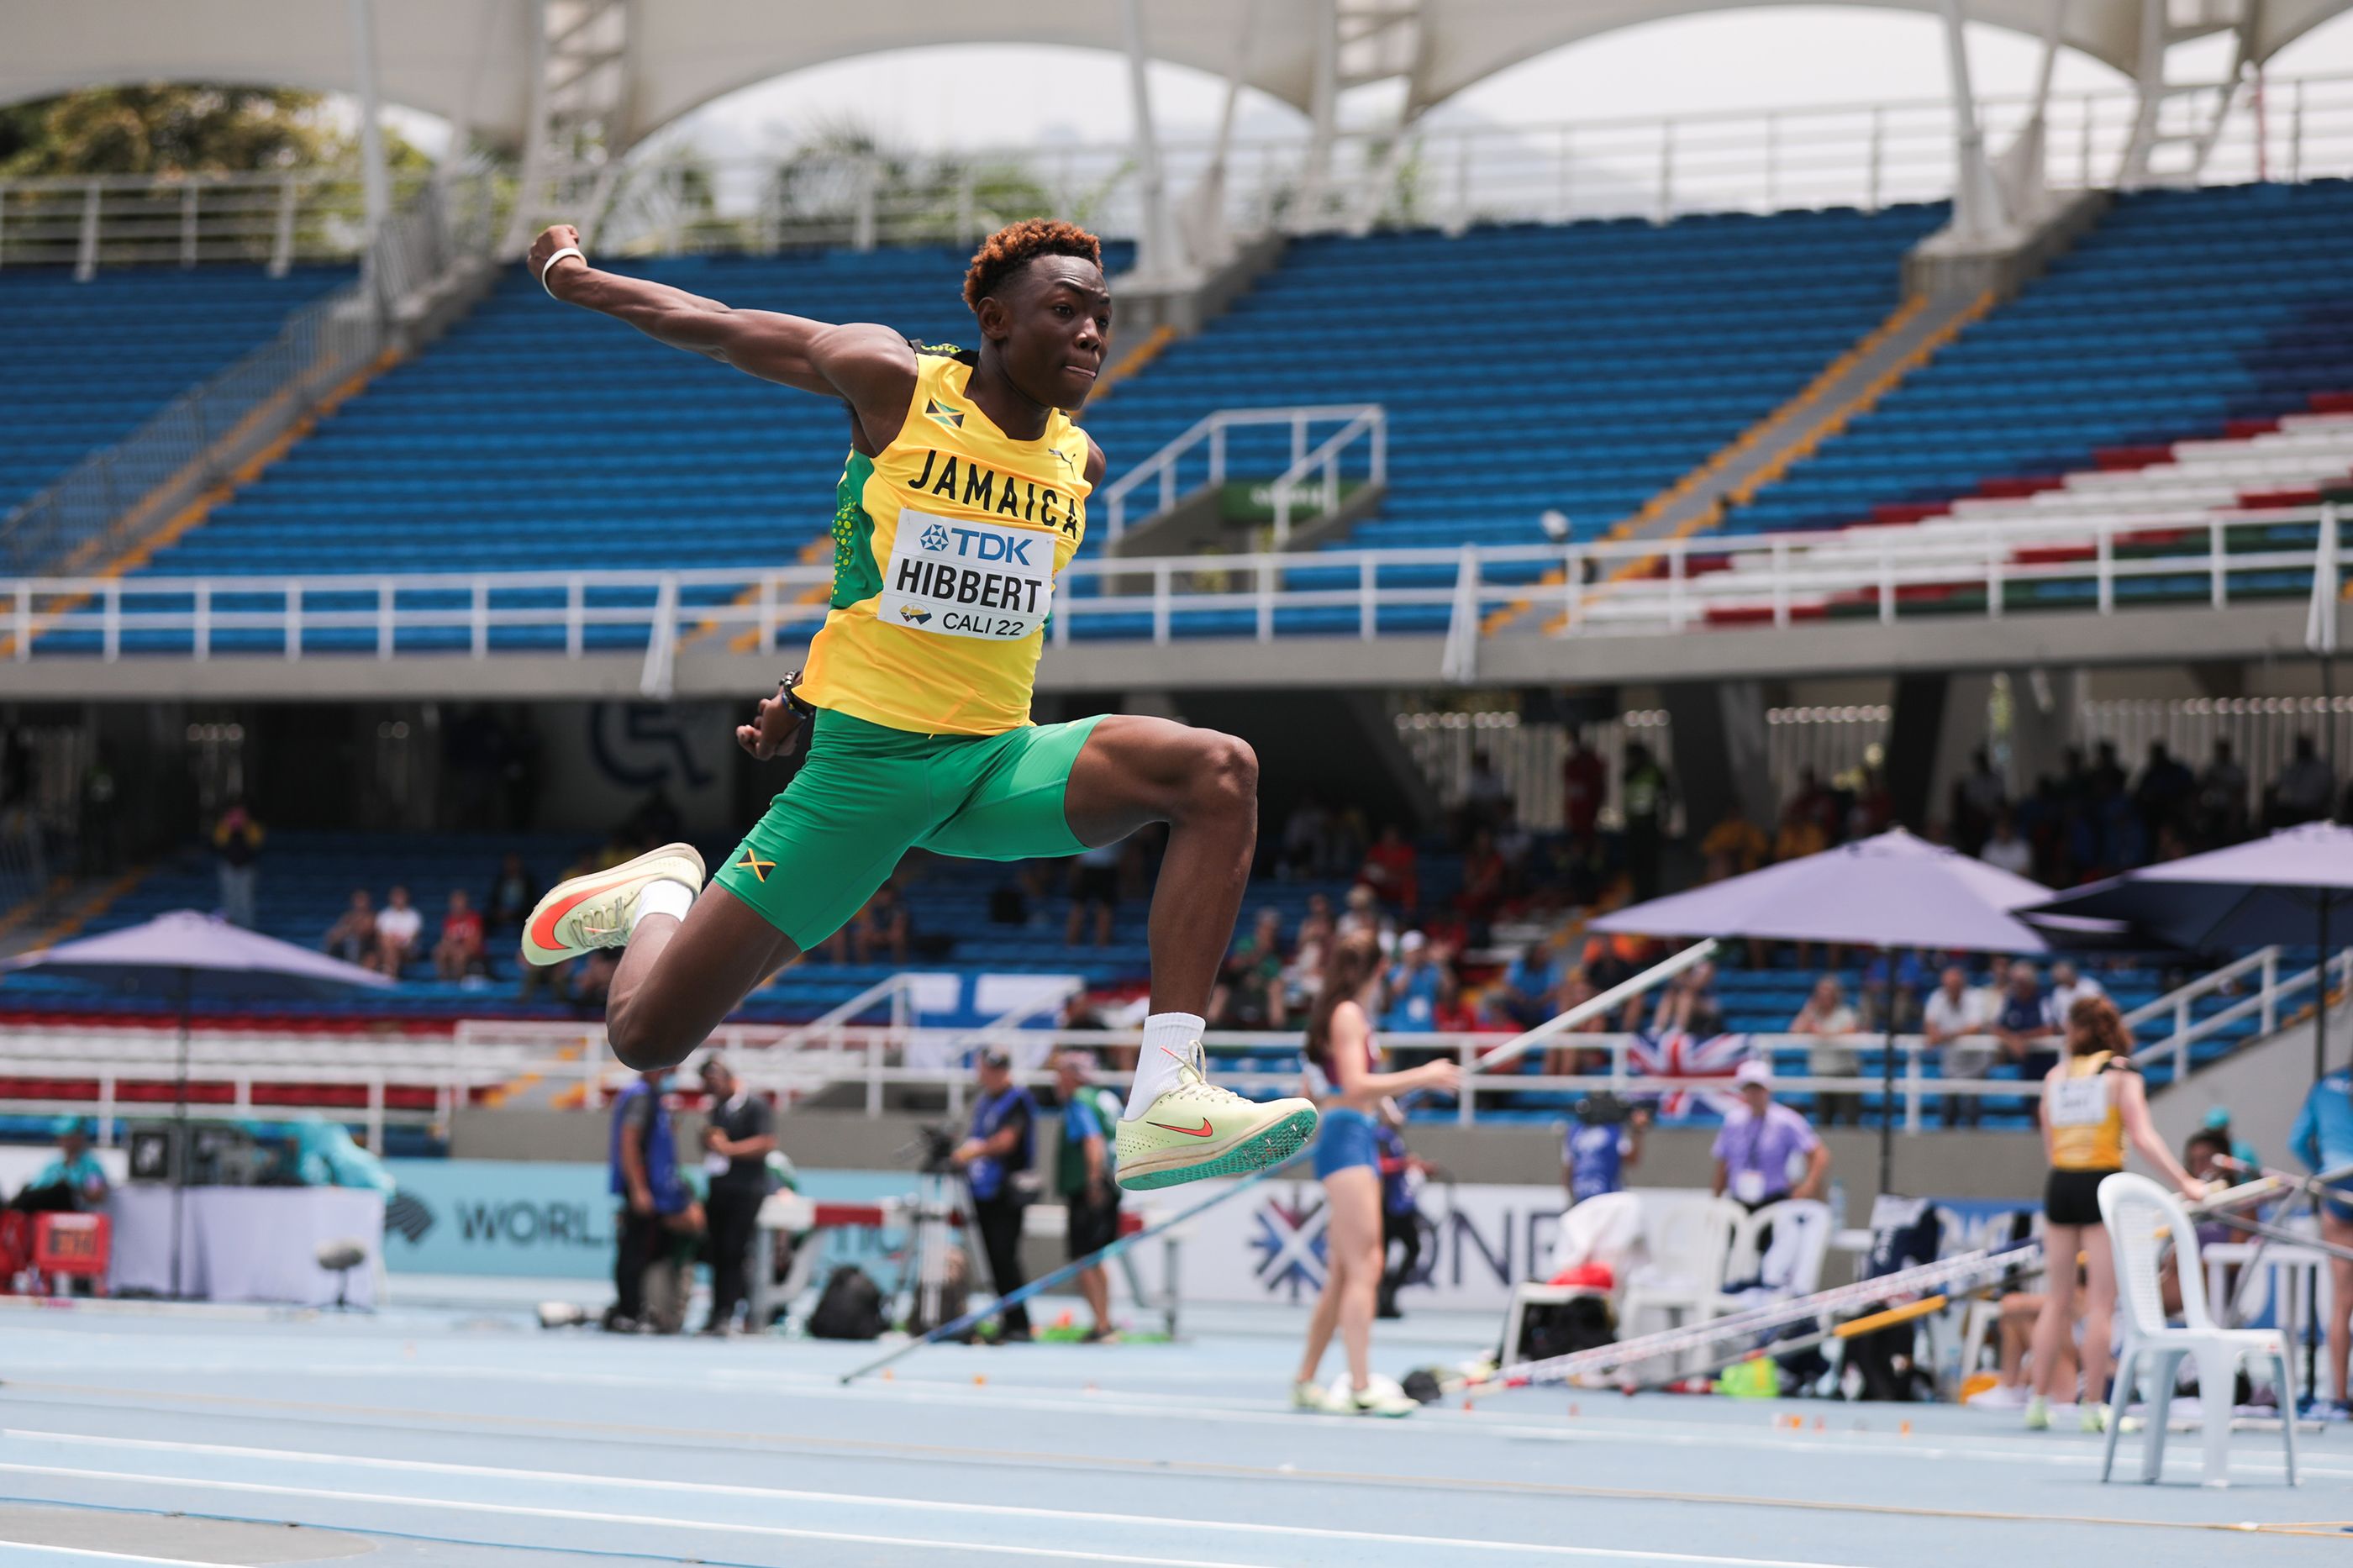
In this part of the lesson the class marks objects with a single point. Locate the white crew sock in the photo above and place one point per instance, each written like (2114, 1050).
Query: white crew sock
(1167, 1045)
(662, 898)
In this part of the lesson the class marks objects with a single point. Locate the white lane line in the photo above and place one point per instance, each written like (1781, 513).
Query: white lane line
(89, 1555)
(1611, 1555)
(1663, 1433)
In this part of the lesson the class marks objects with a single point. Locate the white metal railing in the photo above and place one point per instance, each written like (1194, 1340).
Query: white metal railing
(1863, 155)
(1767, 579)
(275, 220)
(1208, 437)
(103, 502)
(1450, 175)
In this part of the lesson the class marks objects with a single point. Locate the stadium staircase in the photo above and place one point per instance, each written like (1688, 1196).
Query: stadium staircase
(2184, 314)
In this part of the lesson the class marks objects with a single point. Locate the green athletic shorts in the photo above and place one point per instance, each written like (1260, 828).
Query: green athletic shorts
(866, 795)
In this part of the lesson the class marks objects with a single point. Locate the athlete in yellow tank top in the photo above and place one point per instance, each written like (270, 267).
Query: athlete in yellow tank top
(945, 547)
(2093, 1105)
(964, 495)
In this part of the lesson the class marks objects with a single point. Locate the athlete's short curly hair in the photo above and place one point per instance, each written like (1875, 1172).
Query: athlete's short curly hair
(1010, 248)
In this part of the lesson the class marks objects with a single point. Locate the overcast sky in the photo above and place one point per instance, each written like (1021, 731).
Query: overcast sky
(1727, 60)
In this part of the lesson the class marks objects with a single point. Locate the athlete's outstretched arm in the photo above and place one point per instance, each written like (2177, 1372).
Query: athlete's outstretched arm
(868, 365)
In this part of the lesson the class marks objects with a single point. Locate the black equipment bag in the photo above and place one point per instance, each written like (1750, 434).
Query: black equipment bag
(850, 1308)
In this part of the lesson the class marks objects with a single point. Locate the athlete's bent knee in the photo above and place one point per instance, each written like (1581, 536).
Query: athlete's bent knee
(640, 1042)
(1224, 777)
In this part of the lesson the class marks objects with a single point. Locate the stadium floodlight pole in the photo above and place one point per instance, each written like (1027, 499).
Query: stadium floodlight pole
(1102, 1255)
(1593, 1006)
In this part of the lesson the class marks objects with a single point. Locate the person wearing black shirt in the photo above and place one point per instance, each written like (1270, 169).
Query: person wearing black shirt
(995, 1158)
(736, 1144)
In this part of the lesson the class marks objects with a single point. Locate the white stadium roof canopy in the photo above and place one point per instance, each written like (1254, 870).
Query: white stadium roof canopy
(471, 60)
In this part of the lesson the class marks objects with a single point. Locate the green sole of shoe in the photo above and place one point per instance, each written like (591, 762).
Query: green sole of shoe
(1270, 1147)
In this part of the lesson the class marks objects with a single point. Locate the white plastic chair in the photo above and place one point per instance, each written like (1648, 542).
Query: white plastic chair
(1690, 1245)
(2140, 1216)
(1607, 1229)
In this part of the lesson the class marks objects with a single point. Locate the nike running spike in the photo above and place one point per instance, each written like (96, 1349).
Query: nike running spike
(1198, 1130)
(596, 910)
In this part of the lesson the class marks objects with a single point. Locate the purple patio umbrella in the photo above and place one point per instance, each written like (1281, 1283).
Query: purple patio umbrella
(2281, 889)
(1887, 892)
(187, 956)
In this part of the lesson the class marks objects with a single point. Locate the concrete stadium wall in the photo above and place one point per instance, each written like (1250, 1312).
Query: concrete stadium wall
(2264, 1084)
(1945, 1164)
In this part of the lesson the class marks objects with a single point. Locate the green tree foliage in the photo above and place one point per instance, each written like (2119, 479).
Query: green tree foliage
(170, 128)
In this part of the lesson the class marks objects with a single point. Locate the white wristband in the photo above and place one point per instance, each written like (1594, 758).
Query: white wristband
(550, 267)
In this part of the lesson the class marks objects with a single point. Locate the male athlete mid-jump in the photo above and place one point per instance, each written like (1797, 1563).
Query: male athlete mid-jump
(964, 493)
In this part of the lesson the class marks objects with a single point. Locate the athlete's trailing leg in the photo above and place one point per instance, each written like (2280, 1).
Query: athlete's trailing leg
(1132, 771)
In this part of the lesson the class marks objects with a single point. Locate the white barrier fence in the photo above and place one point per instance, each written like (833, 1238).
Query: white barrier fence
(1563, 591)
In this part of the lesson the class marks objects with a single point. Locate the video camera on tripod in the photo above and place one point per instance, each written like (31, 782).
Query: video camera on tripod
(934, 1150)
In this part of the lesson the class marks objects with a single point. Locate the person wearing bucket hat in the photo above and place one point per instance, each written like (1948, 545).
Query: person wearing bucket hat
(995, 1158)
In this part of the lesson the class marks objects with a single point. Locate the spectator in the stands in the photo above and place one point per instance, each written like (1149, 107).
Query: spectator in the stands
(1094, 885)
(399, 927)
(1878, 997)
(1830, 1025)
(1486, 881)
(1688, 1003)
(2069, 985)
(2304, 789)
(1806, 819)
(1304, 972)
(1647, 796)
(460, 952)
(1307, 839)
(1995, 990)
(1524, 994)
(1734, 847)
(1954, 1020)
(1565, 1056)
(353, 936)
(1766, 1152)
(2165, 795)
(513, 891)
(72, 1182)
(1363, 910)
(2004, 850)
(1417, 984)
(1514, 843)
(1978, 797)
(591, 980)
(884, 925)
(1485, 797)
(1249, 994)
(236, 845)
(2222, 798)
(1392, 870)
(2026, 1028)
(1584, 788)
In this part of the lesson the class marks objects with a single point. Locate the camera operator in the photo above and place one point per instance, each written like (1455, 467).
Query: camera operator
(995, 1158)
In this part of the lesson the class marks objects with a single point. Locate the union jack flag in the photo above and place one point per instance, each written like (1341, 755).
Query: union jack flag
(1679, 1055)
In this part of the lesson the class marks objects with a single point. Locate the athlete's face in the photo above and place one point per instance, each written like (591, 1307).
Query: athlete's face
(1052, 324)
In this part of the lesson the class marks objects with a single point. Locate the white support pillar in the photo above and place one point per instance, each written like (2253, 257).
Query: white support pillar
(375, 189)
(522, 225)
(1978, 214)
(1324, 112)
(1157, 256)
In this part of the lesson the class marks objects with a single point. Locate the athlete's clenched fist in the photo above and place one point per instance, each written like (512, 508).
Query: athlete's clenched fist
(555, 237)
(771, 729)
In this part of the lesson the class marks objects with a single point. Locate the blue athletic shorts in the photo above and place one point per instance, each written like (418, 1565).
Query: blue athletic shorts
(1346, 1139)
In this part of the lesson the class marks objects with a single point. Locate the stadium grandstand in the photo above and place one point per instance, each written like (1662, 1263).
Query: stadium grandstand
(1576, 519)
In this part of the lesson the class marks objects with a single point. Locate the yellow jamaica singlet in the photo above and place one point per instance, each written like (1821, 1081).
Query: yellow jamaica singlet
(945, 547)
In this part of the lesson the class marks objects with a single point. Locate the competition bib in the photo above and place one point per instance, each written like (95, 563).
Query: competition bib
(967, 579)
(2080, 1101)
